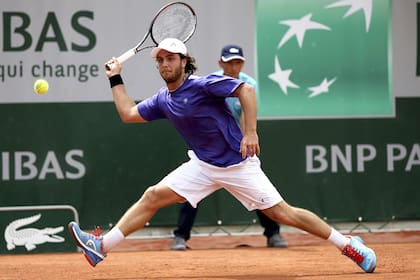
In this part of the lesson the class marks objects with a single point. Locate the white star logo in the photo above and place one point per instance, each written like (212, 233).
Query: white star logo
(281, 77)
(355, 5)
(298, 28)
(322, 88)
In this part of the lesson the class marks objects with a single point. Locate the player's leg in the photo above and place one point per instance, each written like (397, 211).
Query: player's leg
(187, 182)
(351, 246)
(141, 212)
(95, 246)
(299, 218)
(249, 184)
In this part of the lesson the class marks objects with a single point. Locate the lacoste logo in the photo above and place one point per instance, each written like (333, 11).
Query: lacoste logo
(15, 235)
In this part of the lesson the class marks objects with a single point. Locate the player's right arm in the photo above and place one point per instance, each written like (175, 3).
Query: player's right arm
(125, 105)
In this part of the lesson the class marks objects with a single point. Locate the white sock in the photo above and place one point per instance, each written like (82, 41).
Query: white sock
(111, 239)
(338, 239)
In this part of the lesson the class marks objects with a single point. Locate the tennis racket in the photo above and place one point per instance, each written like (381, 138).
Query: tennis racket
(174, 20)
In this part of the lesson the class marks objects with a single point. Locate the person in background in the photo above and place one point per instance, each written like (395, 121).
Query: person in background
(231, 62)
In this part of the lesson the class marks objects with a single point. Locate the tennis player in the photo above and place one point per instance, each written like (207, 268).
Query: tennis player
(231, 62)
(220, 156)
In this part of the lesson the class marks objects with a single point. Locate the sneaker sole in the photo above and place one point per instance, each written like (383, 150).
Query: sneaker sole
(179, 248)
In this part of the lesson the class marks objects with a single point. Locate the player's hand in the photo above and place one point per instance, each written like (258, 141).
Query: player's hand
(112, 67)
(250, 145)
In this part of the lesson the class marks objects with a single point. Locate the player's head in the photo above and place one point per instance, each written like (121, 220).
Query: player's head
(231, 60)
(173, 45)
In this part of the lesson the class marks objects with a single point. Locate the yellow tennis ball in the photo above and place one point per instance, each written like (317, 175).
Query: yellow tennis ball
(41, 86)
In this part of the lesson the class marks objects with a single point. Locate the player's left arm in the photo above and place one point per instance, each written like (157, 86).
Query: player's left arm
(249, 144)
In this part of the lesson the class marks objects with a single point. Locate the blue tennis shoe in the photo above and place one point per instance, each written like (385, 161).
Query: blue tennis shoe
(91, 244)
(362, 255)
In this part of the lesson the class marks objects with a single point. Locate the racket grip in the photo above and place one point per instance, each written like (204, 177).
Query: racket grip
(125, 56)
(122, 58)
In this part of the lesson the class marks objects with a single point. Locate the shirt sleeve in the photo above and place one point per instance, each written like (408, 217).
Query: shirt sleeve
(149, 108)
(221, 86)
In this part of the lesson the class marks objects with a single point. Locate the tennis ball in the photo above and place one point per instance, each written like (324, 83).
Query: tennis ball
(41, 86)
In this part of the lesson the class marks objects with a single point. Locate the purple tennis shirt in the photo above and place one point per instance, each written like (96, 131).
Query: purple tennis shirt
(200, 113)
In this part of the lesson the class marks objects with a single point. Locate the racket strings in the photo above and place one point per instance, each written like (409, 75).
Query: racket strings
(176, 21)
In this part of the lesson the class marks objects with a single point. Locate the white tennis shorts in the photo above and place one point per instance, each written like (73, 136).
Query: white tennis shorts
(194, 180)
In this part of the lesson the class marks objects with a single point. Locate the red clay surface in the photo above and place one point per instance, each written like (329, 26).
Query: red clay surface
(226, 257)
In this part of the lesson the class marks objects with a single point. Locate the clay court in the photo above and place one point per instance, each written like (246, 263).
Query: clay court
(226, 258)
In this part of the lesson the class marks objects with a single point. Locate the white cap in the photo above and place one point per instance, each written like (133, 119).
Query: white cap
(171, 45)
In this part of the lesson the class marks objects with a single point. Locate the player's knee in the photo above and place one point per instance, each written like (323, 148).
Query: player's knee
(150, 198)
(283, 213)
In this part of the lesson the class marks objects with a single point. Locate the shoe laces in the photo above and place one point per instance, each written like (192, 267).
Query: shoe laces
(97, 232)
(97, 235)
(353, 254)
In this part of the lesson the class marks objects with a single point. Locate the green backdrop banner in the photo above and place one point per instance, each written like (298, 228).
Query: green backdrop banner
(323, 58)
(341, 169)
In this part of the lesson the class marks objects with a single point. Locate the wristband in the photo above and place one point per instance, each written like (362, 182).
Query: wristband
(116, 80)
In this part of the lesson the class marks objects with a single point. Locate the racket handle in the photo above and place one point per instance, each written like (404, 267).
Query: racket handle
(125, 56)
(122, 58)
